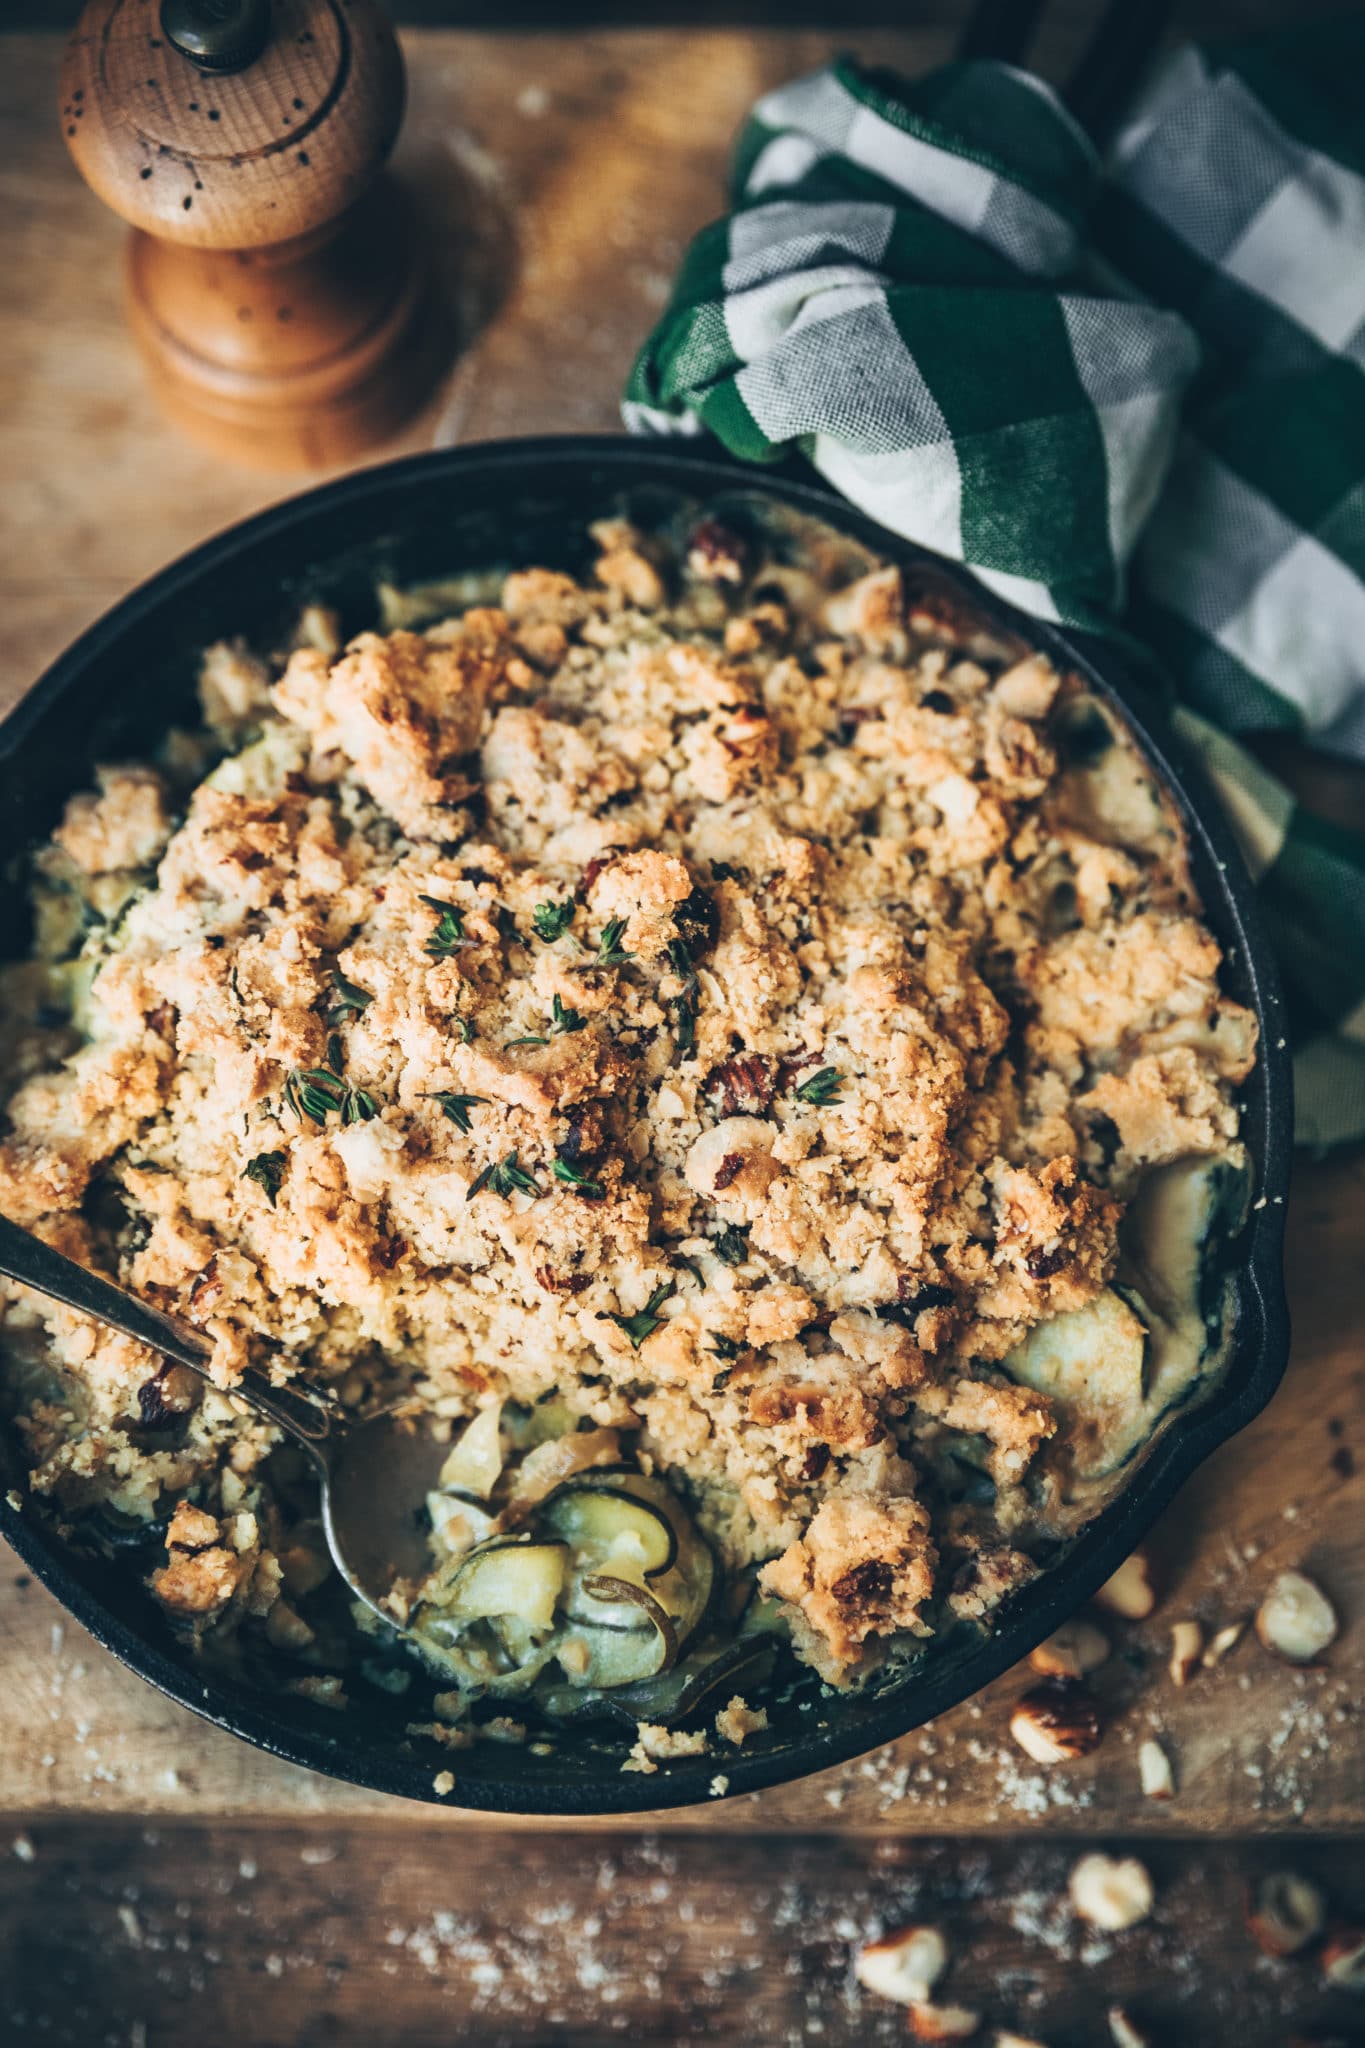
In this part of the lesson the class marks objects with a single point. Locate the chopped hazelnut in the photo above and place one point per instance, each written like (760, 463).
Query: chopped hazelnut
(942, 2022)
(1125, 2030)
(1222, 1643)
(1129, 1592)
(1343, 1959)
(1154, 1771)
(1111, 1892)
(1187, 1640)
(903, 1965)
(1072, 1651)
(1296, 1619)
(1056, 1722)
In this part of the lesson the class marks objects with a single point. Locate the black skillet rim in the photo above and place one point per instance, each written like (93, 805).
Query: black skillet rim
(1261, 1347)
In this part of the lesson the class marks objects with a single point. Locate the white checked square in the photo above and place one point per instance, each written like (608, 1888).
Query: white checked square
(1302, 251)
(1302, 629)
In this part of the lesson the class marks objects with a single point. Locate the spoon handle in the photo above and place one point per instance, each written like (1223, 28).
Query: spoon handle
(27, 1259)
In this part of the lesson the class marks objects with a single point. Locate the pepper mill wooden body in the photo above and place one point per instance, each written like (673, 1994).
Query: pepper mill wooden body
(276, 285)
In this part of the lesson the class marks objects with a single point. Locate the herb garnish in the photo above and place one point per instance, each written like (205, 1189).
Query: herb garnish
(574, 1177)
(315, 1091)
(566, 1020)
(503, 1177)
(822, 1088)
(610, 951)
(456, 1107)
(685, 1004)
(267, 1170)
(643, 1325)
(532, 1040)
(552, 920)
(506, 924)
(464, 1030)
(732, 1245)
(348, 999)
(449, 934)
(725, 1347)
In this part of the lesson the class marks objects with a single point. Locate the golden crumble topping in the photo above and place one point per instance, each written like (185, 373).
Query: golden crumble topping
(730, 995)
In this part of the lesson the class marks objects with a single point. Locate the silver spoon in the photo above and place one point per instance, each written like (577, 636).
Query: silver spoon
(375, 1472)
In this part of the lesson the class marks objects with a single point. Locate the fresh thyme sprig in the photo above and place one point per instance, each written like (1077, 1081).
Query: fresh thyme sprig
(563, 1019)
(456, 1107)
(725, 1347)
(313, 1092)
(574, 1177)
(348, 999)
(267, 1169)
(449, 933)
(503, 1177)
(551, 920)
(638, 1327)
(822, 1088)
(610, 951)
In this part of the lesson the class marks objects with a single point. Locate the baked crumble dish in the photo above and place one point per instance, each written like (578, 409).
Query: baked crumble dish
(732, 1046)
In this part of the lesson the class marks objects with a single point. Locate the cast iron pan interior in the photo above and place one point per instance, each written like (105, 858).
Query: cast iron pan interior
(512, 503)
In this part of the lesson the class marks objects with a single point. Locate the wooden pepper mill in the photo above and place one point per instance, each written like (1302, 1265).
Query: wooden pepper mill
(276, 283)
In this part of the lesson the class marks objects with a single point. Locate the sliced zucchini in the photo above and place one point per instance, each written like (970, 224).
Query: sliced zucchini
(1091, 1363)
(610, 1528)
(509, 1578)
(683, 1588)
(1175, 1231)
(475, 1463)
(596, 1658)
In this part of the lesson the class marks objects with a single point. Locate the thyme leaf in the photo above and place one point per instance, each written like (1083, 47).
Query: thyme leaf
(267, 1169)
(448, 934)
(821, 1088)
(552, 920)
(685, 1004)
(533, 1040)
(732, 1244)
(456, 1107)
(574, 1177)
(349, 999)
(610, 951)
(502, 1178)
(638, 1327)
(314, 1092)
(725, 1347)
(565, 1019)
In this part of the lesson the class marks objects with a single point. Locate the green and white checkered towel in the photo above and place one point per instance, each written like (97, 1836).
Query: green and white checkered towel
(1125, 394)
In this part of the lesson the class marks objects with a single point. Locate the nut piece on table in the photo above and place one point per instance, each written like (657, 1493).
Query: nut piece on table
(1072, 1651)
(1056, 1722)
(1003, 2038)
(904, 1965)
(942, 2022)
(1222, 1643)
(1125, 2030)
(1296, 1619)
(1111, 1892)
(1284, 1913)
(1154, 1770)
(1130, 1592)
(1343, 1959)
(1187, 1641)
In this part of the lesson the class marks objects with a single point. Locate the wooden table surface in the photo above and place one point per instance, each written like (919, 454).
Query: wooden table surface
(563, 174)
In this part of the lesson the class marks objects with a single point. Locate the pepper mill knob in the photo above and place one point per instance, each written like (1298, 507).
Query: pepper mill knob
(276, 282)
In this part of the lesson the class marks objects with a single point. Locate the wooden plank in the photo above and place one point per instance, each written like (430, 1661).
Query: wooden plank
(288, 1937)
(540, 159)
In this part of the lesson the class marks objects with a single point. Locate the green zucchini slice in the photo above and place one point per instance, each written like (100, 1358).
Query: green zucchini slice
(607, 1525)
(506, 1578)
(1091, 1364)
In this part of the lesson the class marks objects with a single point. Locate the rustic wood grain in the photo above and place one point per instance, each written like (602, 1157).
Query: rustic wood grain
(351, 1936)
(565, 173)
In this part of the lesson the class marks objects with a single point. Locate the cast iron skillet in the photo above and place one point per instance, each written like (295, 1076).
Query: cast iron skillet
(113, 694)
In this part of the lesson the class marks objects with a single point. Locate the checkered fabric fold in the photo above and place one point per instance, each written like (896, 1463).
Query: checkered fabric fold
(1126, 394)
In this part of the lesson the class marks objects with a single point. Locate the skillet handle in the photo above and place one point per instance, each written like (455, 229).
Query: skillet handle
(32, 1263)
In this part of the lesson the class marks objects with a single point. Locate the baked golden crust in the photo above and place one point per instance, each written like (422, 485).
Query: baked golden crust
(731, 1015)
